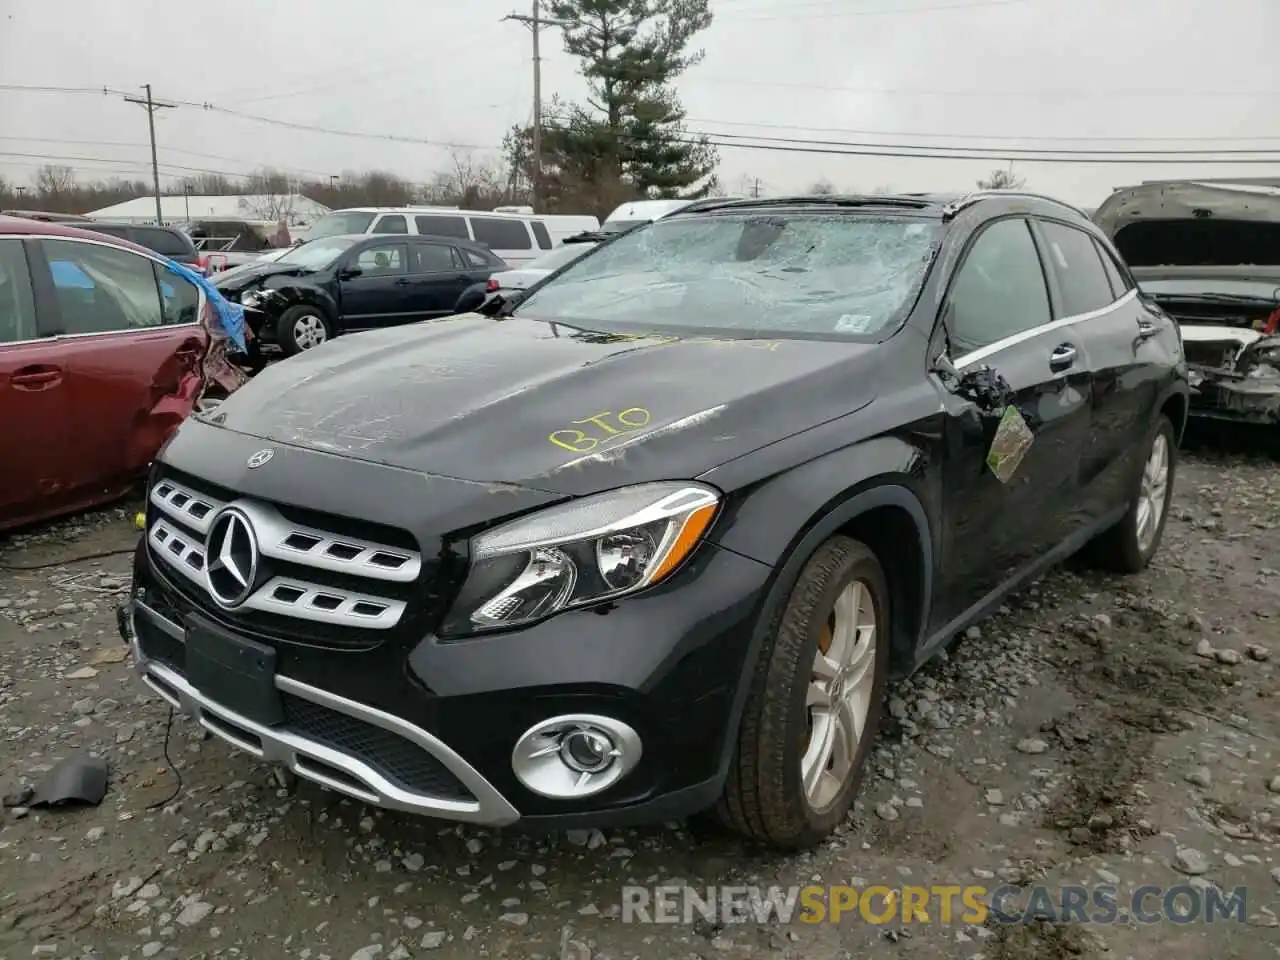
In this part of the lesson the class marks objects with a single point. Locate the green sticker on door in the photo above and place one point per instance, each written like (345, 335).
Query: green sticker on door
(1010, 444)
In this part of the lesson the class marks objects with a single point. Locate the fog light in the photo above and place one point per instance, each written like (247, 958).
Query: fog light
(575, 756)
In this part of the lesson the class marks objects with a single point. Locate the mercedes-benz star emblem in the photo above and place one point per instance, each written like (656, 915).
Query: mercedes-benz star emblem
(261, 457)
(231, 558)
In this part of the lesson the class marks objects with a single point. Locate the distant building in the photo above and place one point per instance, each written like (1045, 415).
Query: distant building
(294, 207)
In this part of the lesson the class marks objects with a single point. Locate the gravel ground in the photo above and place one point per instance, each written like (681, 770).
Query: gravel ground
(1095, 730)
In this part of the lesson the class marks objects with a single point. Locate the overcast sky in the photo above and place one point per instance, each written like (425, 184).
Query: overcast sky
(1073, 74)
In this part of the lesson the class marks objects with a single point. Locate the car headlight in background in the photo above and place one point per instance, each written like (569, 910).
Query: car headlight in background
(595, 548)
(253, 299)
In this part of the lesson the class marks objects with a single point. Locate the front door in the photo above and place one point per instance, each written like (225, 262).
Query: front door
(36, 454)
(376, 296)
(998, 315)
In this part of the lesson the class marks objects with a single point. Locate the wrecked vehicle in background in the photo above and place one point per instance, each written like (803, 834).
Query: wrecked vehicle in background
(105, 347)
(1209, 255)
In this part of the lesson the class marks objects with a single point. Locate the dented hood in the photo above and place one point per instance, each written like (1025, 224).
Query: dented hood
(546, 406)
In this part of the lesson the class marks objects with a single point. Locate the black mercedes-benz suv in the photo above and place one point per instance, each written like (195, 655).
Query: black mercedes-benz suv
(653, 538)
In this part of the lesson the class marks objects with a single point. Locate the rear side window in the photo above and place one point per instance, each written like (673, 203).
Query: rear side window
(162, 241)
(481, 262)
(434, 258)
(1073, 256)
(17, 306)
(1119, 279)
(392, 223)
(455, 227)
(501, 234)
(540, 232)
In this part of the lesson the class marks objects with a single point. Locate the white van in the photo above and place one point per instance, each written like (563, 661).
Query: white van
(639, 212)
(515, 237)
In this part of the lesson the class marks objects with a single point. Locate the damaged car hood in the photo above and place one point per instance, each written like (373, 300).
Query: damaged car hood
(547, 406)
(252, 274)
(1209, 255)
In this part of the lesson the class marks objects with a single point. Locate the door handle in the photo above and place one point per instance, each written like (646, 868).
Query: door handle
(1063, 356)
(1146, 328)
(36, 378)
(402, 282)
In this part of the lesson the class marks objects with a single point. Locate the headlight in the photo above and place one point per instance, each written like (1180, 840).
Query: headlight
(253, 299)
(591, 549)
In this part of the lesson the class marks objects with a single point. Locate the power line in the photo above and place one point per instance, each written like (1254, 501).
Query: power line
(1053, 94)
(849, 14)
(982, 136)
(190, 153)
(1002, 150)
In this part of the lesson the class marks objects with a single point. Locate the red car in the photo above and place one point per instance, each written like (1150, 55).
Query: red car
(103, 352)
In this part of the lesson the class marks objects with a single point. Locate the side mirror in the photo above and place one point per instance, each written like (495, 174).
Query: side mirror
(349, 273)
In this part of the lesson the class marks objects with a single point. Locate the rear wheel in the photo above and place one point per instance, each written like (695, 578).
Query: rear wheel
(815, 702)
(1129, 546)
(301, 328)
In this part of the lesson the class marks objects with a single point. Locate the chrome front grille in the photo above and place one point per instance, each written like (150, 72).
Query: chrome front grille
(307, 574)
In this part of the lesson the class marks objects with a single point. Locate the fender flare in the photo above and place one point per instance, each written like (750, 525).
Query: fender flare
(788, 573)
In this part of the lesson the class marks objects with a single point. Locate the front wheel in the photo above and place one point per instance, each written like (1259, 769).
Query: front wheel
(301, 328)
(1129, 546)
(815, 702)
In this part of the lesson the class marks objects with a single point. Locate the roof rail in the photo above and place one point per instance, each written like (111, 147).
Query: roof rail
(915, 202)
(968, 200)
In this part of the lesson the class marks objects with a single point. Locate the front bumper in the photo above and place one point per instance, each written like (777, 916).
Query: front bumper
(429, 727)
(306, 754)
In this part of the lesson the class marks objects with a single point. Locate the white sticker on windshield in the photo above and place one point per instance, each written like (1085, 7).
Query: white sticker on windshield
(854, 323)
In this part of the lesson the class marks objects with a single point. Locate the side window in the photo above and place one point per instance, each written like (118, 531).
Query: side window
(17, 305)
(179, 297)
(477, 261)
(391, 223)
(540, 232)
(387, 260)
(102, 289)
(1119, 281)
(443, 227)
(162, 241)
(501, 234)
(1073, 256)
(1000, 288)
(435, 258)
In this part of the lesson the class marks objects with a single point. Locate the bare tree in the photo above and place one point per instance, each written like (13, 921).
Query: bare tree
(1002, 180)
(471, 181)
(55, 181)
(821, 188)
(271, 195)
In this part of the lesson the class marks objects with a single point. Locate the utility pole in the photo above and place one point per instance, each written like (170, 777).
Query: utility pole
(534, 22)
(755, 188)
(152, 106)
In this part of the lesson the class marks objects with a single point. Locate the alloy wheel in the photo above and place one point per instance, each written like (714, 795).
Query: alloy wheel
(838, 699)
(309, 331)
(1153, 493)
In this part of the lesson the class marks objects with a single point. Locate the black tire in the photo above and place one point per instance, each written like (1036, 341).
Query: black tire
(1118, 548)
(763, 796)
(287, 328)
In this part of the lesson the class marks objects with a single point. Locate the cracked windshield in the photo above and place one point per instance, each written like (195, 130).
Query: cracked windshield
(837, 276)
